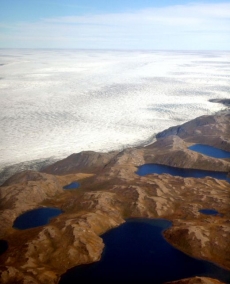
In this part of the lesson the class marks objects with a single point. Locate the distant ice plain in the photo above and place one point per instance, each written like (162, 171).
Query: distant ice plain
(57, 102)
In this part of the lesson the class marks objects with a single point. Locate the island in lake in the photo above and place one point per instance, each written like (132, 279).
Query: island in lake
(97, 192)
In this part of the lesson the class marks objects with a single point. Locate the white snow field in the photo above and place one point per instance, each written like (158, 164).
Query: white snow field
(59, 102)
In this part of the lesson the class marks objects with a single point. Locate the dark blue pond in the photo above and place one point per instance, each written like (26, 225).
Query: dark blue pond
(3, 246)
(209, 211)
(162, 169)
(35, 218)
(209, 151)
(136, 252)
(72, 185)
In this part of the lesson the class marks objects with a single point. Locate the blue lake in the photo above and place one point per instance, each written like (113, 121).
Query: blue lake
(209, 151)
(72, 185)
(209, 211)
(3, 246)
(35, 218)
(162, 169)
(136, 252)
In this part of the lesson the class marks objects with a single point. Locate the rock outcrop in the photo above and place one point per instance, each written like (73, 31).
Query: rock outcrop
(173, 151)
(87, 161)
(210, 130)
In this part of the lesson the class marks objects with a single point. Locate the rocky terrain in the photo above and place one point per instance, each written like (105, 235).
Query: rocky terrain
(196, 280)
(111, 191)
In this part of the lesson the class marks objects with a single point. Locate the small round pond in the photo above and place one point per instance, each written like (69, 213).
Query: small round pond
(162, 169)
(3, 246)
(35, 218)
(72, 185)
(209, 151)
(136, 252)
(209, 212)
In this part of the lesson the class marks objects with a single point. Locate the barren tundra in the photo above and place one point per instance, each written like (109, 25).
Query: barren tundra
(112, 191)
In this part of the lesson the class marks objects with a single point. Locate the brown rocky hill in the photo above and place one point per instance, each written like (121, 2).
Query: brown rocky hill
(111, 191)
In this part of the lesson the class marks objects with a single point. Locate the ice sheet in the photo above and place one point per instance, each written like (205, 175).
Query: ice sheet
(59, 102)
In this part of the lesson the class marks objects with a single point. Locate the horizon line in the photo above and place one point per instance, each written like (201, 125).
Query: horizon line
(109, 49)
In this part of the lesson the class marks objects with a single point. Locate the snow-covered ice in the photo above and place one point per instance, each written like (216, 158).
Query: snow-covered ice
(59, 102)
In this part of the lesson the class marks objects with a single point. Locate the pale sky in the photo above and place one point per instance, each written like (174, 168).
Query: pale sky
(118, 24)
